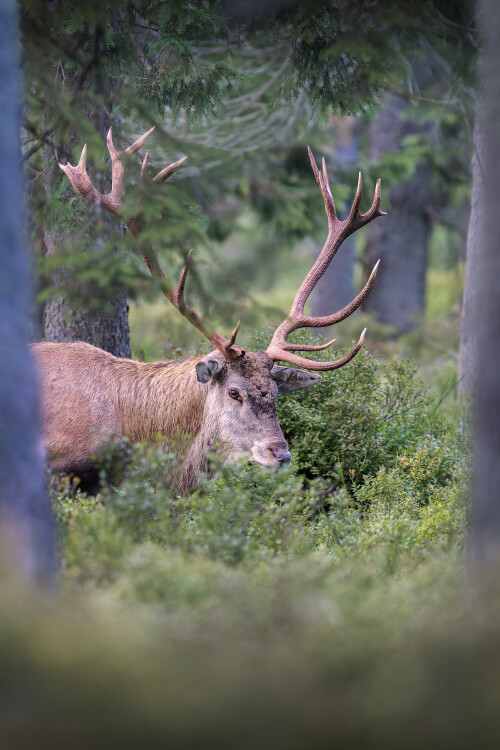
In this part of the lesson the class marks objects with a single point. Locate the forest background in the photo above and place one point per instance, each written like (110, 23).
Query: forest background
(331, 598)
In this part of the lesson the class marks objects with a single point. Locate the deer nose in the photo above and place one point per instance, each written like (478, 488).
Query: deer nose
(282, 456)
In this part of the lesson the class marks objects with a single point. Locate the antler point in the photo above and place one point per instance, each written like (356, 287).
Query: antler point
(83, 156)
(313, 163)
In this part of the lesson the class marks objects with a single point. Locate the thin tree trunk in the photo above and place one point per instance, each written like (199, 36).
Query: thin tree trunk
(401, 240)
(25, 519)
(468, 356)
(486, 313)
(335, 288)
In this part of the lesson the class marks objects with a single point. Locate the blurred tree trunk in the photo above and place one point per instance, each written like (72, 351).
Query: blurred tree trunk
(486, 312)
(25, 519)
(401, 239)
(467, 365)
(335, 288)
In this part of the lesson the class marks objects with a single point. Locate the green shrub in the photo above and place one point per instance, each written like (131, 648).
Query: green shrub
(359, 418)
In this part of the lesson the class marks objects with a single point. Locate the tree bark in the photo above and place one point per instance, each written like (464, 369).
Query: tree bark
(25, 519)
(486, 312)
(335, 288)
(401, 239)
(468, 355)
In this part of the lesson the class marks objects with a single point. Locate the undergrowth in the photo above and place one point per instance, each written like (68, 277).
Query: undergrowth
(303, 607)
(375, 467)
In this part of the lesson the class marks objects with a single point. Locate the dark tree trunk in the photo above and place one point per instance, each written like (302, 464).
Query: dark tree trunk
(468, 356)
(486, 313)
(25, 519)
(335, 288)
(401, 240)
(67, 321)
(94, 325)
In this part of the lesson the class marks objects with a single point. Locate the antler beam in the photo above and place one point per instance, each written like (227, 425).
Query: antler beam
(279, 349)
(112, 201)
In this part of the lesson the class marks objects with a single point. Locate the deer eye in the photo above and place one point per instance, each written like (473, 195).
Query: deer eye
(234, 393)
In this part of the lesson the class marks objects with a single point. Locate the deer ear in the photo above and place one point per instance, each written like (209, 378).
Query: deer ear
(208, 368)
(290, 379)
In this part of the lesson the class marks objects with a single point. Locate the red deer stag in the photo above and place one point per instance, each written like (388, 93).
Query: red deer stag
(225, 400)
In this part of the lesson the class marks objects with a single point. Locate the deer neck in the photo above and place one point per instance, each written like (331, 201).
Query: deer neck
(164, 399)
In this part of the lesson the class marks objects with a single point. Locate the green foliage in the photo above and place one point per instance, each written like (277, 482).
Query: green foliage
(183, 66)
(345, 71)
(246, 516)
(361, 418)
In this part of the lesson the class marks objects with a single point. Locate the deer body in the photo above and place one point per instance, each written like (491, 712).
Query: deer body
(91, 398)
(224, 401)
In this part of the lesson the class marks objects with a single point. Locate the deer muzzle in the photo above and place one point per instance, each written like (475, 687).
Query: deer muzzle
(264, 454)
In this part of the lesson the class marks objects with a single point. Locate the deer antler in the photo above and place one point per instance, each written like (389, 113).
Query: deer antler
(112, 201)
(279, 348)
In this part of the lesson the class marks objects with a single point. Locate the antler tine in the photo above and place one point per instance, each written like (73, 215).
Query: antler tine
(139, 143)
(182, 280)
(80, 180)
(354, 212)
(294, 359)
(144, 166)
(306, 347)
(82, 164)
(322, 180)
(232, 337)
(167, 171)
(113, 151)
(327, 185)
(374, 209)
(313, 164)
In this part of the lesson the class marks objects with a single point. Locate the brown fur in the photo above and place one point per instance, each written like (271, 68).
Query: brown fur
(90, 398)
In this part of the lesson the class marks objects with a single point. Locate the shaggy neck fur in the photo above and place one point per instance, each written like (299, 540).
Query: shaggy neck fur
(140, 398)
(143, 416)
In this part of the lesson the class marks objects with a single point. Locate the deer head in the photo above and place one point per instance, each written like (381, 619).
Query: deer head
(243, 385)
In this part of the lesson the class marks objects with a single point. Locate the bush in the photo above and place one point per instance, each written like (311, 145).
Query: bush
(361, 418)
